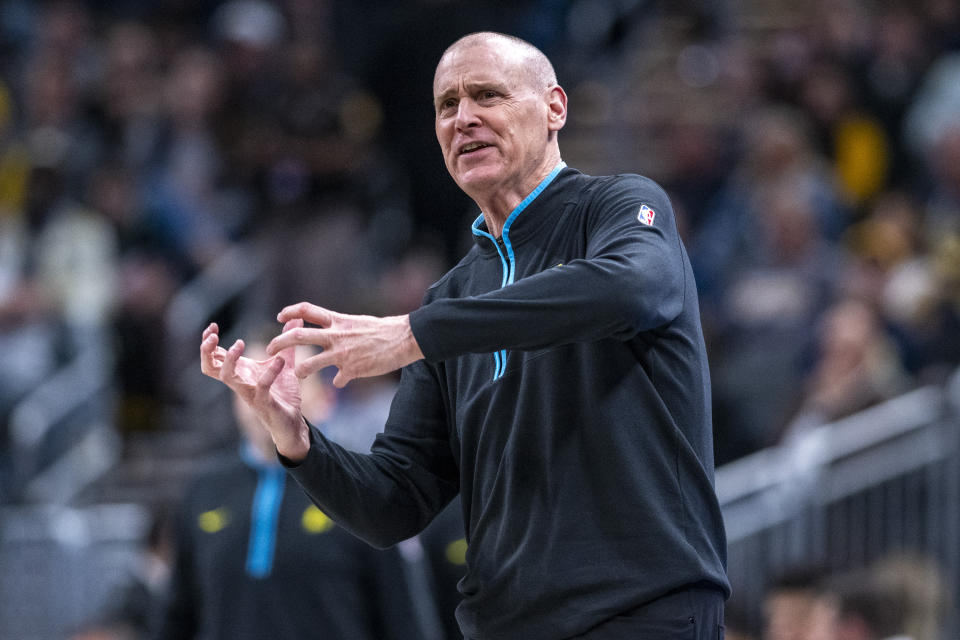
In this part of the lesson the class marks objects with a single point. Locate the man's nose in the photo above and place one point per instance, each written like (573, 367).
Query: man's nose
(467, 114)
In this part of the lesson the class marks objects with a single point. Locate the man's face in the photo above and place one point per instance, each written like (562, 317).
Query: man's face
(491, 121)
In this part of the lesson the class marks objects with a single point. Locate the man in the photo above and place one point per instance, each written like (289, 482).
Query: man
(556, 378)
(255, 559)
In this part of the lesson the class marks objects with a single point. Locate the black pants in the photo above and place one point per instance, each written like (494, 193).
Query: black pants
(687, 614)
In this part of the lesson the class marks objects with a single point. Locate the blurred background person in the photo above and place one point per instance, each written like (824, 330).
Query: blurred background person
(129, 611)
(857, 366)
(255, 559)
(799, 605)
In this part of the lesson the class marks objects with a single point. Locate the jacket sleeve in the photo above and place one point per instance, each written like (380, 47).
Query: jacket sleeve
(410, 474)
(631, 279)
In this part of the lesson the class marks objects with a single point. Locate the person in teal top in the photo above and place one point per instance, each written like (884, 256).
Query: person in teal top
(254, 558)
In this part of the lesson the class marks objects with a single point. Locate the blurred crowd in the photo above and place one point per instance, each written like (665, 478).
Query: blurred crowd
(818, 185)
(139, 141)
(898, 597)
(824, 228)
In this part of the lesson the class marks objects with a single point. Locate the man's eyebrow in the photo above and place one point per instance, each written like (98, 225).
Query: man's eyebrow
(471, 87)
(492, 83)
(440, 97)
(474, 85)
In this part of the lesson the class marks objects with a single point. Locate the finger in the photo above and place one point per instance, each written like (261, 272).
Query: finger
(299, 335)
(229, 366)
(209, 360)
(266, 380)
(313, 364)
(211, 329)
(341, 379)
(209, 343)
(306, 311)
(216, 358)
(289, 354)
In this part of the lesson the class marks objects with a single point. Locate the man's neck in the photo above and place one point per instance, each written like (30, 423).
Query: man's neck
(498, 206)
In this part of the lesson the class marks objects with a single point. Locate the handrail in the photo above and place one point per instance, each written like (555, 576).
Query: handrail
(68, 388)
(231, 272)
(229, 276)
(75, 385)
(834, 460)
(829, 443)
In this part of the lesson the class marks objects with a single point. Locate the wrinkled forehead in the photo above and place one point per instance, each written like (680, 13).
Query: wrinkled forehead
(488, 60)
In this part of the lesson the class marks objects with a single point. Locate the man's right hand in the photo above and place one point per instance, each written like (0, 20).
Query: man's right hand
(270, 387)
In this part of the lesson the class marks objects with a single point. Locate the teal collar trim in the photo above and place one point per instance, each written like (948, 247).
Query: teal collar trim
(475, 227)
(507, 257)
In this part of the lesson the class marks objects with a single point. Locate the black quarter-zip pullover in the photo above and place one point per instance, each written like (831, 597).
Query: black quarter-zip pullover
(565, 394)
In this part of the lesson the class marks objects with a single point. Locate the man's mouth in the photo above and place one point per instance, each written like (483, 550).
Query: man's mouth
(470, 147)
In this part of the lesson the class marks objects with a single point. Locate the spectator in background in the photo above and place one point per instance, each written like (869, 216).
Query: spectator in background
(904, 274)
(778, 155)
(857, 366)
(185, 193)
(922, 304)
(255, 559)
(128, 610)
(852, 138)
(943, 204)
(896, 597)
(765, 326)
(867, 612)
(902, 50)
(149, 272)
(59, 282)
(798, 605)
(128, 100)
(936, 107)
(250, 35)
(922, 593)
(59, 76)
(887, 240)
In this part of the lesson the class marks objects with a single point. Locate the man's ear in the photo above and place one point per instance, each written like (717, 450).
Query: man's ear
(557, 108)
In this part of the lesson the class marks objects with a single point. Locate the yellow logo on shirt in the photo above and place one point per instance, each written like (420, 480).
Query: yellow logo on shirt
(214, 520)
(315, 521)
(457, 552)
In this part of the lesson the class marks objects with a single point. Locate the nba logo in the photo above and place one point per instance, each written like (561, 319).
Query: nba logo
(646, 215)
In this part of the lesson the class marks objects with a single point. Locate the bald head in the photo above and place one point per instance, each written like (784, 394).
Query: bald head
(539, 72)
(498, 112)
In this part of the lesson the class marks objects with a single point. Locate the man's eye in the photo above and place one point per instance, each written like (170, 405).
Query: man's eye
(488, 95)
(449, 103)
